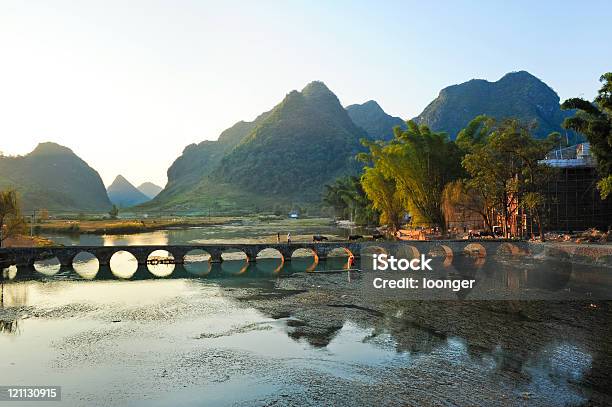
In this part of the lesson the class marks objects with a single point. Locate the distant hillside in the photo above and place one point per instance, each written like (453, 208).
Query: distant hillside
(370, 117)
(149, 189)
(198, 160)
(54, 178)
(123, 194)
(288, 154)
(517, 94)
(285, 155)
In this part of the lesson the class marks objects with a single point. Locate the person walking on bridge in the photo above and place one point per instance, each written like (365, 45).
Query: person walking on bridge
(278, 237)
(289, 238)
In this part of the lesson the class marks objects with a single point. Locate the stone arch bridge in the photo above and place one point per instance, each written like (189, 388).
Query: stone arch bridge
(27, 256)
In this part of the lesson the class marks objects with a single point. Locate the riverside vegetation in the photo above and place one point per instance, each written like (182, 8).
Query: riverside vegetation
(491, 169)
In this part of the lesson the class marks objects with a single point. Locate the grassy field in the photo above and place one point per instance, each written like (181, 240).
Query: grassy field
(124, 226)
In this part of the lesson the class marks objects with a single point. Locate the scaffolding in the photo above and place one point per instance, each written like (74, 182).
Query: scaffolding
(572, 200)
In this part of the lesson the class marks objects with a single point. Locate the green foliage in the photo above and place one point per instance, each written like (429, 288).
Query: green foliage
(286, 156)
(386, 198)
(594, 120)
(348, 199)
(305, 142)
(421, 163)
(199, 160)
(502, 161)
(518, 95)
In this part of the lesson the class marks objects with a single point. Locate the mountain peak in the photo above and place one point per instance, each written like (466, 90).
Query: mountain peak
(371, 106)
(517, 94)
(50, 148)
(150, 189)
(123, 193)
(121, 180)
(522, 75)
(373, 119)
(316, 87)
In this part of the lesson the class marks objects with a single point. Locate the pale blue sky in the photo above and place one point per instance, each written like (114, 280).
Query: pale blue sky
(128, 84)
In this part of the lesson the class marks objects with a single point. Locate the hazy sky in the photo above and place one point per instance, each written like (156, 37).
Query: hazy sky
(128, 84)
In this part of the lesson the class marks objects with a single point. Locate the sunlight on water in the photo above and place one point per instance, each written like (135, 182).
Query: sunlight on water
(123, 264)
(159, 237)
(158, 263)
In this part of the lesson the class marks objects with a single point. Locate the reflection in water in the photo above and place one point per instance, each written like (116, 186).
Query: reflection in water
(86, 265)
(233, 254)
(511, 275)
(160, 263)
(123, 264)
(13, 295)
(9, 327)
(480, 343)
(159, 237)
(197, 262)
(9, 272)
(48, 266)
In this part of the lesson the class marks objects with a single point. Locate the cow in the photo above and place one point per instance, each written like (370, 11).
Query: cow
(319, 238)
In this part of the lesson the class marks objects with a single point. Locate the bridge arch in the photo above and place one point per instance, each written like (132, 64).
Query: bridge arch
(305, 252)
(270, 259)
(507, 248)
(160, 263)
(340, 251)
(197, 262)
(234, 254)
(475, 249)
(373, 249)
(47, 264)
(299, 258)
(123, 264)
(270, 253)
(407, 251)
(444, 251)
(86, 264)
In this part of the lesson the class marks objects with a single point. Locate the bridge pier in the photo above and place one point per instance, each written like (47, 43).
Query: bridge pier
(215, 255)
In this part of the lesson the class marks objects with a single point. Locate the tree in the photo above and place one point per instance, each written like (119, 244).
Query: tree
(421, 163)
(11, 221)
(43, 215)
(385, 197)
(114, 212)
(348, 199)
(461, 200)
(502, 160)
(594, 120)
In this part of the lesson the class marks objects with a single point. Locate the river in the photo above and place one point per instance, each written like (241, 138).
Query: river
(280, 334)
